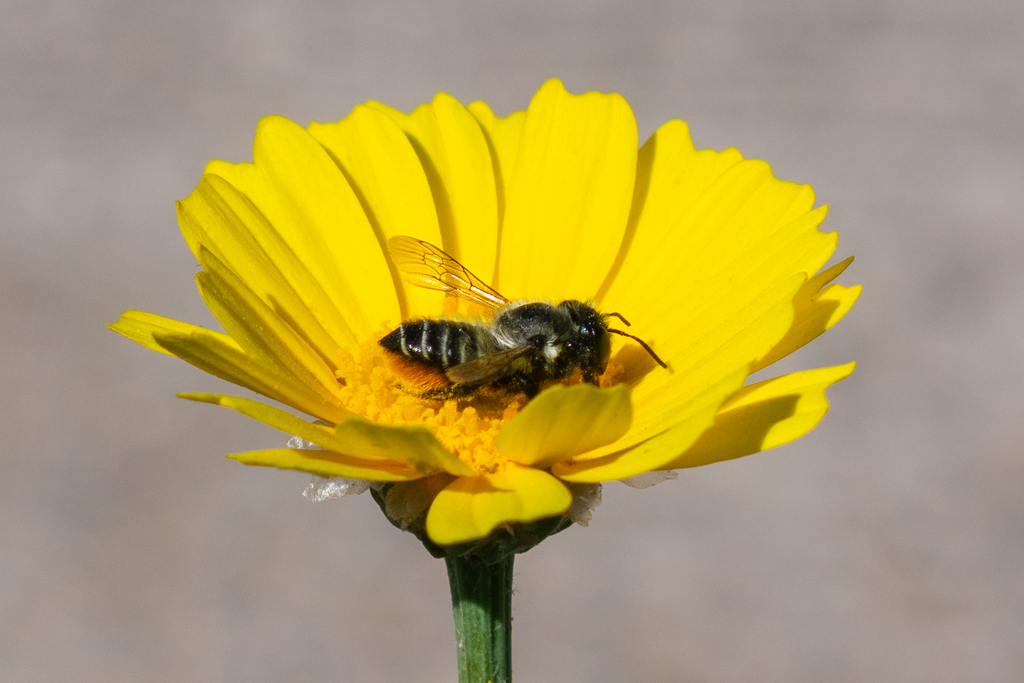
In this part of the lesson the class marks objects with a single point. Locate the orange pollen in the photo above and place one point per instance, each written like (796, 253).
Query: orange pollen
(466, 427)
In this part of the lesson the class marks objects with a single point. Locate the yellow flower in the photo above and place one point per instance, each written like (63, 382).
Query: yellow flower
(713, 260)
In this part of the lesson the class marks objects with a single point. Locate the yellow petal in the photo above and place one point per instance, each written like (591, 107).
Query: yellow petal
(670, 176)
(817, 309)
(565, 421)
(141, 327)
(413, 447)
(503, 138)
(321, 435)
(765, 415)
(219, 218)
(380, 164)
(695, 416)
(304, 195)
(262, 334)
(327, 464)
(738, 239)
(709, 281)
(336, 461)
(569, 197)
(406, 501)
(470, 508)
(221, 356)
(692, 389)
(454, 154)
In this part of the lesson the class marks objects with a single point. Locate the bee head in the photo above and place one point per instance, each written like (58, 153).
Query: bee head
(588, 343)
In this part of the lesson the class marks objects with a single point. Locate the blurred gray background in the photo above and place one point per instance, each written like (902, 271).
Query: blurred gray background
(886, 546)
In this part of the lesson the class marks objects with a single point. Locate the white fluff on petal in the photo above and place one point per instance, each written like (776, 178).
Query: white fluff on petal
(649, 479)
(324, 488)
(585, 497)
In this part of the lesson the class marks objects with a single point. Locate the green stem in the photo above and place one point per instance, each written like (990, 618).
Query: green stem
(482, 603)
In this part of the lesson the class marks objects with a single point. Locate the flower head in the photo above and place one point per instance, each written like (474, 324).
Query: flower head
(713, 260)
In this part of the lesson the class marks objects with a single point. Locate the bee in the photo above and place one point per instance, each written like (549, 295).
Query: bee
(524, 345)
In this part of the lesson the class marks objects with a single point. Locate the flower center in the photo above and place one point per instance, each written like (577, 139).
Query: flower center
(466, 427)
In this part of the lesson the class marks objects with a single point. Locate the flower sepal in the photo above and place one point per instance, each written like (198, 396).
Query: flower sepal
(499, 545)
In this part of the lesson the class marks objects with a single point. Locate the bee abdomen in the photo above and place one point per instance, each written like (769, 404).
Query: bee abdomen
(437, 343)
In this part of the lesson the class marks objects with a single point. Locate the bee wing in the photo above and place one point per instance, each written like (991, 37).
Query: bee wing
(424, 265)
(486, 367)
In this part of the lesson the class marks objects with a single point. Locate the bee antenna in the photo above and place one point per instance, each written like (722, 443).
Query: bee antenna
(639, 341)
(619, 316)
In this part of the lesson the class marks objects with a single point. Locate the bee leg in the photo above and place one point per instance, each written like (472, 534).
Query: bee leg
(446, 393)
(526, 384)
(590, 378)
